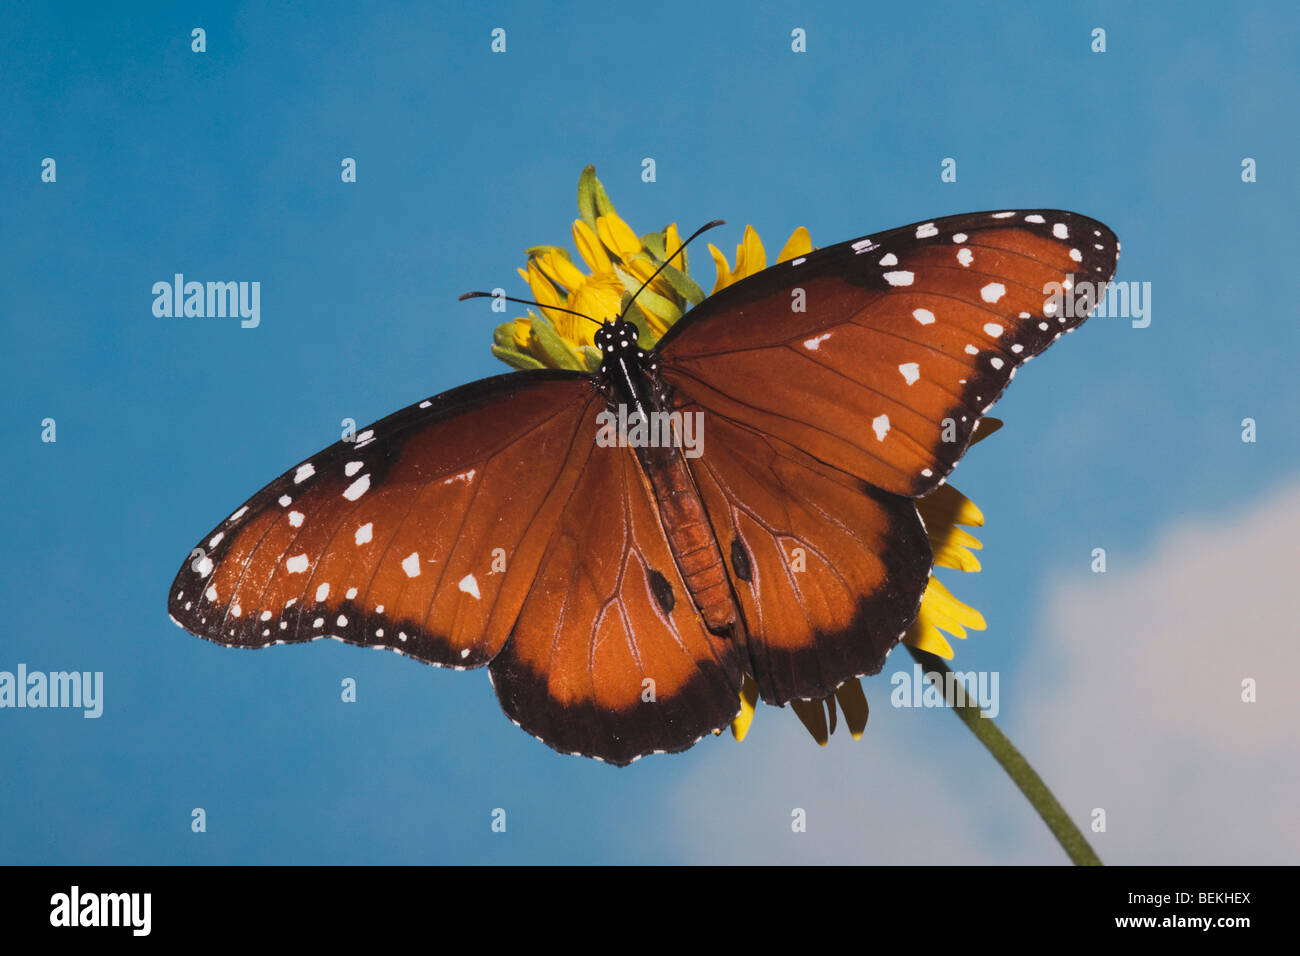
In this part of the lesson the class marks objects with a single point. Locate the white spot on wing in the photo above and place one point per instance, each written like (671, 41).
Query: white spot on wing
(926, 230)
(1060, 231)
(965, 256)
(899, 278)
(1035, 218)
(323, 591)
(295, 518)
(365, 532)
(815, 343)
(889, 260)
(411, 564)
(357, 488)
(465, 476)
(924, 316)
(993, 329)
(352, 467)
(880, 425)
(469, 585)
(303, 473)
(296, 565)
(993, 292)
(911, 371)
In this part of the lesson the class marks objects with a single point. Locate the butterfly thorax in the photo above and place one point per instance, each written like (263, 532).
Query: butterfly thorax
(629, 376)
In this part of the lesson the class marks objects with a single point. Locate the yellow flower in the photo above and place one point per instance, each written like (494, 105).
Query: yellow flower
(613, 262)
(617, 262)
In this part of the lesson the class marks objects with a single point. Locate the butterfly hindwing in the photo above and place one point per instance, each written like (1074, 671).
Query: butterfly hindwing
(878, 356)
(828, 572)
(609, 657)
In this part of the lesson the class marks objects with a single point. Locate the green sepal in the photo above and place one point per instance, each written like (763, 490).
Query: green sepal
(682, 284)
(592, 356)
(668, 310)
(555, 351)
(504, 335)
(592, 200)
(516, 359)
(653, 242)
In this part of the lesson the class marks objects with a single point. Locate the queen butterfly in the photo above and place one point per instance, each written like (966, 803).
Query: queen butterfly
(619, 595)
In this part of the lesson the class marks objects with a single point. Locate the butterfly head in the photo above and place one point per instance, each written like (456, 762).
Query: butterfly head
(617, 338)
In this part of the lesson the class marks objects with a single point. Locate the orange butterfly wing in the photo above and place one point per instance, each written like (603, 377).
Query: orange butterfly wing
(422, 536)
(906, 338)
(482, 525)
(836, 386)
(828, 571)
(609, 657)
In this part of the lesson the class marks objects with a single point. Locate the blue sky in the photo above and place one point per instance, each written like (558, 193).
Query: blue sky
(225, 165)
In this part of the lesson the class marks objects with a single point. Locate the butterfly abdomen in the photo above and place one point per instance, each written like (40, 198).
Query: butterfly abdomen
(690, 537)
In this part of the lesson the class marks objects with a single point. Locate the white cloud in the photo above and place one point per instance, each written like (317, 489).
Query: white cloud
(1131, 702)
(1149, 723)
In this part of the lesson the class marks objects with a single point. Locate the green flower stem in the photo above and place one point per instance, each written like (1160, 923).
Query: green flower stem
(1017, 767)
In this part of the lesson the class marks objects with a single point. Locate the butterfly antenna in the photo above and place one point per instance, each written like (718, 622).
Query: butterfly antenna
(704, 228)
(510, 298)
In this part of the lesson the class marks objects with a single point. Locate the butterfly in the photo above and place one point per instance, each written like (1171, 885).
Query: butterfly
(618, 593)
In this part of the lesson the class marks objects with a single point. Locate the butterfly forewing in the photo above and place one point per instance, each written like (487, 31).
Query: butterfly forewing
(878, 356)
(421, 535)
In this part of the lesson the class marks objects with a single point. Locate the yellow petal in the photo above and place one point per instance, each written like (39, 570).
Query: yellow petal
(946, 505)
(954, 551)
(561, 271)
(543, 291)
(750, 256)
(986, 427)
(748, 699)
(812, 713)
(854, 704)
(941, 611)
(589, 247)
(618, 236)
(799, 244)
(673, 242)
(724, 271)
(930, 640)
(523, 332)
